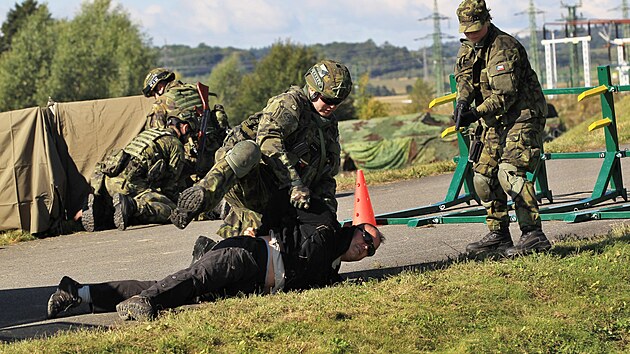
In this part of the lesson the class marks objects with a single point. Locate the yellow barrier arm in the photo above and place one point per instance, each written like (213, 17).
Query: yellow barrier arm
(599, 124)
(593, 92)
(443, 100)
(450, 131)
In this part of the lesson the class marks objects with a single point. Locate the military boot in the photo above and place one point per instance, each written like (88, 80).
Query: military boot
(124, 208)
(137, 308)
(65, 298)
(202, 246)
(493, 241)
(190, 204)
(93, 214)
(530, 241)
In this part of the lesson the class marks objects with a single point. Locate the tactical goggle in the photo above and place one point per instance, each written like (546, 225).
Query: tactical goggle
(331, 101)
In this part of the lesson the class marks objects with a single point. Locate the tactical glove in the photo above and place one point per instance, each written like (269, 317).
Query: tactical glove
(300, 196)
(461, 107)
(466, 118)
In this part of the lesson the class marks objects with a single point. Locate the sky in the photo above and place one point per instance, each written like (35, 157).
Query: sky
(249, 24)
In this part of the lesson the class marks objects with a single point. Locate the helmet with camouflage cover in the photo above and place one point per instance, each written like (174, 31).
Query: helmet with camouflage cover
(154, 77)
(192, 121)
(472, 15)
(331, 79)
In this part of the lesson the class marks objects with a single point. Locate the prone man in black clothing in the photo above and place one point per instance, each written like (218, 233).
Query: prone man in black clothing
(305, 254)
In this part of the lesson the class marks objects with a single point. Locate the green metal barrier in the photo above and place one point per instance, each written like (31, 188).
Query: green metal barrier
(609, 184)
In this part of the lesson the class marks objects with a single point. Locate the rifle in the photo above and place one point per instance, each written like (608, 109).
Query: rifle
(202, 137)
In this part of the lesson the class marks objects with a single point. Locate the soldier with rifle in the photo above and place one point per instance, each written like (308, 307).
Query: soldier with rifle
(182, 100)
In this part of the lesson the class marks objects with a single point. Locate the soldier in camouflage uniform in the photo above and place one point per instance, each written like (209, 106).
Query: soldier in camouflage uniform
(298, 137)
(494, 74)
(174, 98)
(140, 183)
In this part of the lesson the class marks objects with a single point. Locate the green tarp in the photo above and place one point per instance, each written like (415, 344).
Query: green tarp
(394, 142)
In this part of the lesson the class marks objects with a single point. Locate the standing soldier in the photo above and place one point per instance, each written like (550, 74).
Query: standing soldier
(139, 184)
(174, 98)
(298, 137)
(494, 74)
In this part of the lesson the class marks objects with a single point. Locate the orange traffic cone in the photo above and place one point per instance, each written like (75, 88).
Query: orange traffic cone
(363, 212)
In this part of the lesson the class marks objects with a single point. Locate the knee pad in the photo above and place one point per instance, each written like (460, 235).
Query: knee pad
(483, 187)
(243, 157)
(512, 181)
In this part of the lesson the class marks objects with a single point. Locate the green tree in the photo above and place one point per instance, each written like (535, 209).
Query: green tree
(283, 66)
(16, 18)
(100, 54)
(420, 95)
(25, 67)
(225, 80)
(367, 106)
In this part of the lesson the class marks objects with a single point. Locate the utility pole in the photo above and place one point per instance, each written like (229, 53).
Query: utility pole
(571, 32)
(533, 36)
(438, 60)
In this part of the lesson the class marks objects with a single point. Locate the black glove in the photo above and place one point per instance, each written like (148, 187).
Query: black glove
(466, 118)
(460, 107)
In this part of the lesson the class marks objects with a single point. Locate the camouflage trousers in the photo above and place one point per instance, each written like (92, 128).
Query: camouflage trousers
(254, 199)
(153, 207)
(513, 150)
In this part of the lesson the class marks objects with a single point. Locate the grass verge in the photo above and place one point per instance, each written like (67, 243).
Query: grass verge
(574, 299)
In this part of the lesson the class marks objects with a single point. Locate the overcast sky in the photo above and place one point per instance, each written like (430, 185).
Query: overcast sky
(259, 23)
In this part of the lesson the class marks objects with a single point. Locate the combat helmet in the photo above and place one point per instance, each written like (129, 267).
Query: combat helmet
(154, 77)
(472, 15)
(330, 79)
(192, 121)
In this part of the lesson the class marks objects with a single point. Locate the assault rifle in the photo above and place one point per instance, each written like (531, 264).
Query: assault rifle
(202, 137)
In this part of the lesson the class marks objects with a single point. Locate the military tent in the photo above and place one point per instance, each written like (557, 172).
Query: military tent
(48, 155)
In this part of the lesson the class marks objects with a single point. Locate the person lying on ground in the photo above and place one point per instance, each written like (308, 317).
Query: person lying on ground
(298, 257)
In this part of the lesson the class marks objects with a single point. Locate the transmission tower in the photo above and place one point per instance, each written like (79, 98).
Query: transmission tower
(571, 29)
(533, 36)
(438, 59)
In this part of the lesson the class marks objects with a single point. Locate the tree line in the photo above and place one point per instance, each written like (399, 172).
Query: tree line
(101, 53)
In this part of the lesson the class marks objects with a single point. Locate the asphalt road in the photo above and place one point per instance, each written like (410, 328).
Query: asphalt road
(30, 271)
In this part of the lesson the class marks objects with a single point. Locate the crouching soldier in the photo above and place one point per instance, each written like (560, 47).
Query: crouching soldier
(140, 183)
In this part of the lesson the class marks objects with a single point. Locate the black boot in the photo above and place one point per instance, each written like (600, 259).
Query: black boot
(65, 298)
(529, 242)
(95, 215)
(202, 246)
(124, 208)
(493, 241)
(137, 308)
(190, 204)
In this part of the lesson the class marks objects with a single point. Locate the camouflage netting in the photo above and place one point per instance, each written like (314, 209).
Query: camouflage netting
(395, 142)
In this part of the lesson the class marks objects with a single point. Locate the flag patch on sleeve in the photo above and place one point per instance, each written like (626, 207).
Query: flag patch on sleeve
(500, 67)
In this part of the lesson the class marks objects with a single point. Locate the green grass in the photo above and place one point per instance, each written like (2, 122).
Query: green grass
(574, 299)
(578, 138)
(14, 236)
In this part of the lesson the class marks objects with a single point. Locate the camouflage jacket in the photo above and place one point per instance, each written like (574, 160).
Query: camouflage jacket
(167, 105)
(297, 144)
(159, 158)
(498, 77)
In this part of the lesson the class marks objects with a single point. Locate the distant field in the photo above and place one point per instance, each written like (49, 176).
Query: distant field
(399, 85)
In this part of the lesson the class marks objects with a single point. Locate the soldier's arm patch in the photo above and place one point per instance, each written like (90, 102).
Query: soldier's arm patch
(501, 76)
